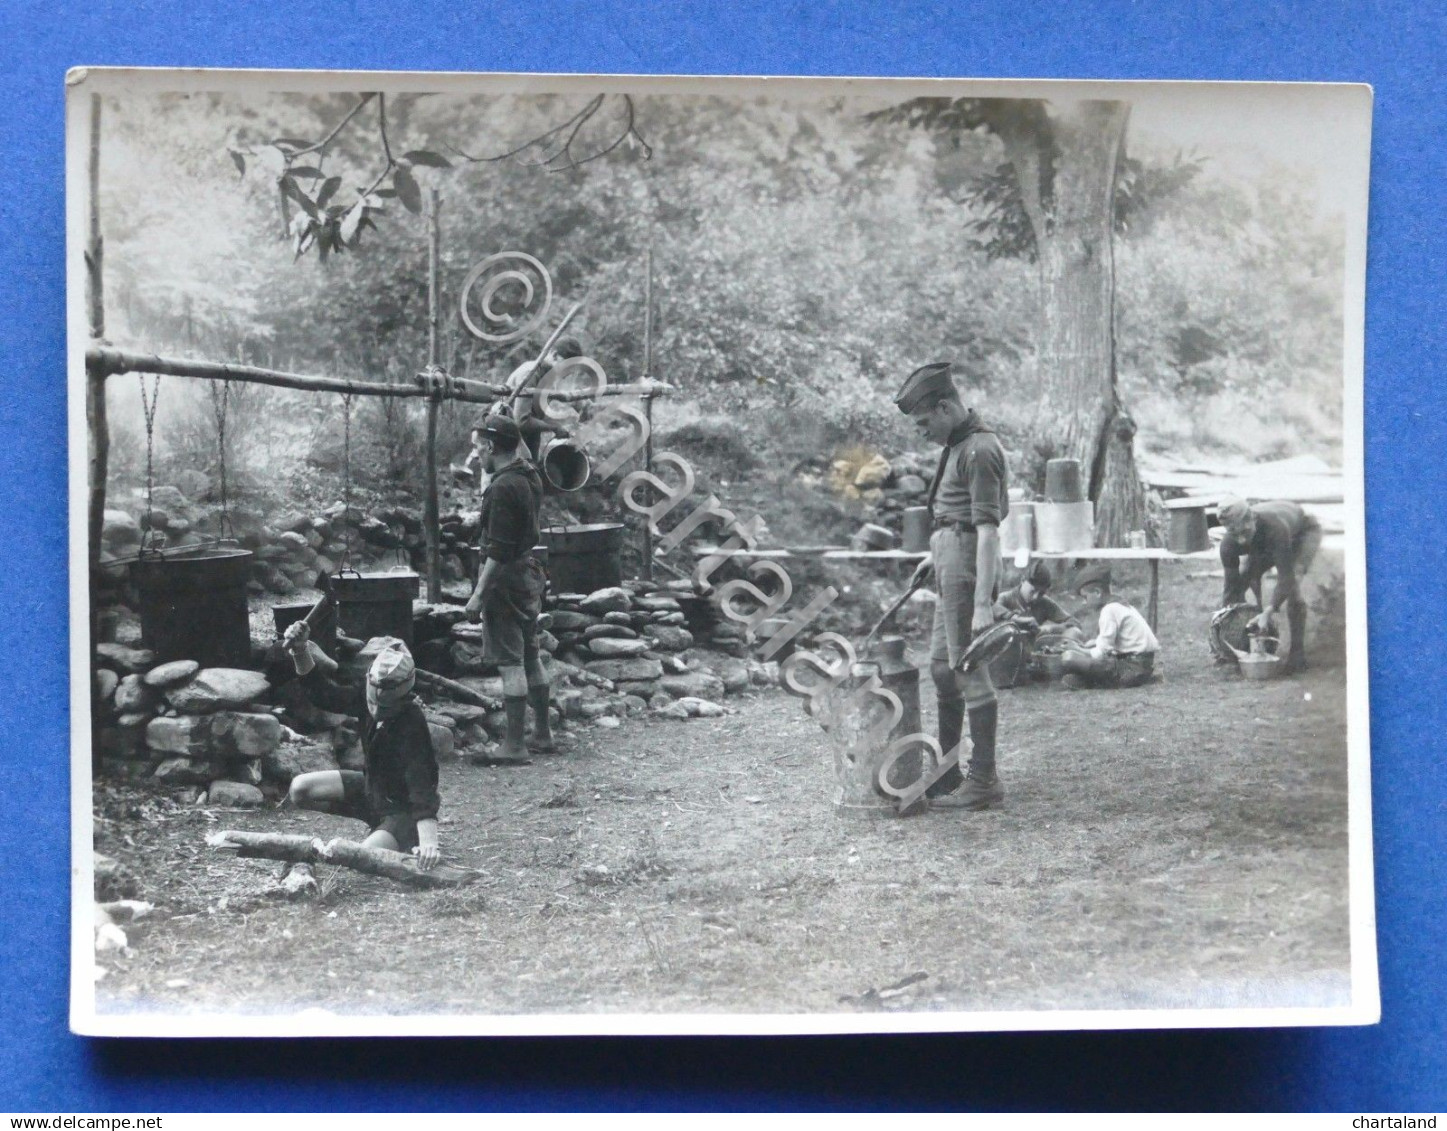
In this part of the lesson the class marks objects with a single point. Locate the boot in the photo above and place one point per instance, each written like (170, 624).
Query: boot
(514, 743)
(980, 787)
(952, 720)
(1296, 625)
(540, 698)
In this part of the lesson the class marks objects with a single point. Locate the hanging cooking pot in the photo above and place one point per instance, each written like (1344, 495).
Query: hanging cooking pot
(564, 465)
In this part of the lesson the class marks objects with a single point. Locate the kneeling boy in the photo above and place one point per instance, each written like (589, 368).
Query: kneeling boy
(1123, 653)
(396, 793)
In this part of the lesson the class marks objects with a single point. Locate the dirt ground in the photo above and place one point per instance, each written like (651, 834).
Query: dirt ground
(1182, 844)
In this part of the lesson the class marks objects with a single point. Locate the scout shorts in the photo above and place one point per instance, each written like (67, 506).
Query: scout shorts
(510, 613)
(354, 804)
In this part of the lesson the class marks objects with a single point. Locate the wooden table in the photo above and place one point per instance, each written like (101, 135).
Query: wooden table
(1152, 554)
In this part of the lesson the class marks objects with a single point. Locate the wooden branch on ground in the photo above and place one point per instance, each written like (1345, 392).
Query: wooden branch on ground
(301, 849)
(458, 691)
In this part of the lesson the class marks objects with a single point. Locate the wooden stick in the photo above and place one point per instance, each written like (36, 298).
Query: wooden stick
(98, 426)
(648, 406)
(301, 849)
(106, 362)
(458, 691)
(434, 404)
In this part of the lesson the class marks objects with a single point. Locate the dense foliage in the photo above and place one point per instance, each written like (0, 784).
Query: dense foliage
(806, 257)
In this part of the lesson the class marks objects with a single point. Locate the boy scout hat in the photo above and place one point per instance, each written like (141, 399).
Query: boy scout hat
(503, 427)
(392, 674)
(925, 383)
(1039, 576)
(1233, 512)
(1098, 574)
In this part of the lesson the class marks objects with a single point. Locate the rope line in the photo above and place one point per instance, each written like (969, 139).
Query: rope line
(148, 408)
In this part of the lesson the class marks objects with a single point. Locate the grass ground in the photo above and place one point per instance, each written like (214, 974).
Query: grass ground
(1183, 844)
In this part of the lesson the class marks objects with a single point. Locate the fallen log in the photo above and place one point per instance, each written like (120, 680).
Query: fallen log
(302, 849)
(458, 691)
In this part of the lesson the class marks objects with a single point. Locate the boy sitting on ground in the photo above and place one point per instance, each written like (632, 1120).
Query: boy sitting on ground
(396, 794)
(1045, 626)
(1123, 653)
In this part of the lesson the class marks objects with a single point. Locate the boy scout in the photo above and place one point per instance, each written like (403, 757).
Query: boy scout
(967, 501)
(1278, 534)
(510, 584)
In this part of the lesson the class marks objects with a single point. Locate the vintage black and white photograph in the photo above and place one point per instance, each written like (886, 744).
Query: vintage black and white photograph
(596, 554)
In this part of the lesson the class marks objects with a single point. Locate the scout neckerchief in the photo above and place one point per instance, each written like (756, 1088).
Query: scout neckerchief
(974, 422)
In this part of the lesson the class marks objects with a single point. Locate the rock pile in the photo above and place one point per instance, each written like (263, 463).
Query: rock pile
(182, 724)
(289, 549)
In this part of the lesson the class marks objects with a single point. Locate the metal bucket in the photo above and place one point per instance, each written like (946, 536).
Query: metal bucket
(565, 465)
(1188, 532)
(1062, 527)
(916, 529)
(1062, 481)
(193, 606)
(376, 604)
(585, 558)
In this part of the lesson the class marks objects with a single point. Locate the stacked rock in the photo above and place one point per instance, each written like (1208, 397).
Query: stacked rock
(626, 649)
(290, 549)
(234, 733)
(182, 724)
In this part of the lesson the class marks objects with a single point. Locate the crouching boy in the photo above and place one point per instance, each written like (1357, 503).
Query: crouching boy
(1123, 653)
(396, 793)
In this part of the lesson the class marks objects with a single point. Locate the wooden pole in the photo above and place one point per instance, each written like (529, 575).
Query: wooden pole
(95, 405)
(105, 362)
(302, 849)
(457, 691)
(648, 407)
(430, 523)
(111, 361)
(97, 423)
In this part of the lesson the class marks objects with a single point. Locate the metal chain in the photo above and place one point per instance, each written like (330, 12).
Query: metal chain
(148, 407)
(218, 409)
(347, 479)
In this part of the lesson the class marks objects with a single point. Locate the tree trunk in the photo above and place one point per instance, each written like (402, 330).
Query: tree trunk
(1080, 414)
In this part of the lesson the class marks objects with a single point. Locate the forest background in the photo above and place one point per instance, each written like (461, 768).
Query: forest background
(806, 257)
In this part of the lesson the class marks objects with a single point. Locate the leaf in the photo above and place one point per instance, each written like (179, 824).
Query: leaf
(384, 193)
(291, 143)
(408, 191)
(293, 190)
(352, 221)
(305, 171)
(428, 158)
(303, 241)
(328, 190)
(239, 161)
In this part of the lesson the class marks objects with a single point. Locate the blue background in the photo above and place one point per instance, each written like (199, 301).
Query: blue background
(1399, 1064)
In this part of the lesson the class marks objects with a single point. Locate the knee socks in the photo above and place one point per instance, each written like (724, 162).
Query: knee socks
(982, 737)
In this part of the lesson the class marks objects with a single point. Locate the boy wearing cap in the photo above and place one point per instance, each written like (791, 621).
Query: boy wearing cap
(968, 500)
(1030, 606)
(1031, 598)
(1123, 653)
(396, 793)
(1279, 534)
(509, 592)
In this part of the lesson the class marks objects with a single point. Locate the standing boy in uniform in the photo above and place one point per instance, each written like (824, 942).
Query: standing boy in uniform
(968, 501)
(510, 584)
